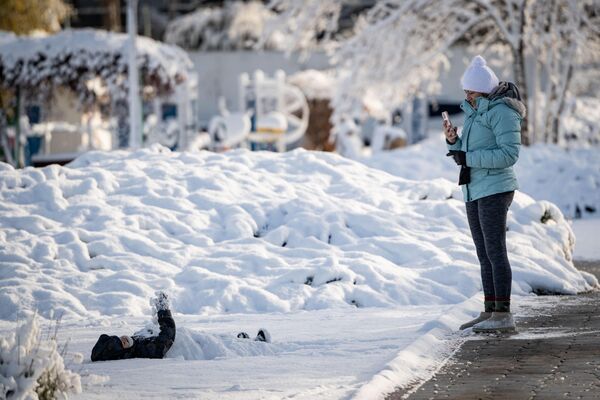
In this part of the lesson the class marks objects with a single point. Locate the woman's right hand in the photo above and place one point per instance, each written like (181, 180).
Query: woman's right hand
(450, 132)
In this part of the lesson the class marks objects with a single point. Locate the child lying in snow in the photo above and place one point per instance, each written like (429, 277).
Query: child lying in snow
(118, 348)
(140, 345)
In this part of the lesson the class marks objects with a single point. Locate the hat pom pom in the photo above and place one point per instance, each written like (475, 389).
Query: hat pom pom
(478, 61)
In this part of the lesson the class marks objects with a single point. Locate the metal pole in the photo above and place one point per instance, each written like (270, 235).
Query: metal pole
(135, 132)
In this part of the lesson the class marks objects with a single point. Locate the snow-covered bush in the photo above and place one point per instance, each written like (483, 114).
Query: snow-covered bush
(32, 367)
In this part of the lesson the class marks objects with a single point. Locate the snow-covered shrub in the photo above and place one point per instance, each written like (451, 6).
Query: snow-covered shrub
(33, 368)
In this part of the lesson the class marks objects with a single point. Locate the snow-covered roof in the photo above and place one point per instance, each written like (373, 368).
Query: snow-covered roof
(74, 56)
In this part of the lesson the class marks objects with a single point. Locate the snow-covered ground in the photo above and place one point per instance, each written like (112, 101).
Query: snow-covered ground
(322, 354)
(359, 275)
(587, 234)
(569, 178)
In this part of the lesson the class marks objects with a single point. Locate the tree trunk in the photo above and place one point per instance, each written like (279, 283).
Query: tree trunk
(112, 18)
(533, 111)
(561, 106)
(521, 79)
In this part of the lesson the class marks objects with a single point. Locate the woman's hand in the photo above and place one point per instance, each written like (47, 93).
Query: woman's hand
(450, 132)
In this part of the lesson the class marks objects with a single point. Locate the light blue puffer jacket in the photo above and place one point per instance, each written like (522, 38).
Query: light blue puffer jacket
(491, 137)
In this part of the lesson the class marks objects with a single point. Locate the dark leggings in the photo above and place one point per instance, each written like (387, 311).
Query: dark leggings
(487, 220)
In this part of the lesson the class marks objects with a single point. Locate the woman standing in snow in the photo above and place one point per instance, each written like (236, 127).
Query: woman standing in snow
(486, 151)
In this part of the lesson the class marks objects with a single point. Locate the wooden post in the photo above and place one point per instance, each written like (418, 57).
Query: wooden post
(147, 20)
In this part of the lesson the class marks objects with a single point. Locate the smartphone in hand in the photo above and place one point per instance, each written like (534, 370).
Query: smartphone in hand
(446, 118)
(449, 130)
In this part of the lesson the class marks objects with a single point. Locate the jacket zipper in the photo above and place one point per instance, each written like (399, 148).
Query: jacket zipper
(467, 149)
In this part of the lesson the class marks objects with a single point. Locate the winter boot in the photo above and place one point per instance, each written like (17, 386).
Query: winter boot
(482, 317)
(263, 336)
(502, 322)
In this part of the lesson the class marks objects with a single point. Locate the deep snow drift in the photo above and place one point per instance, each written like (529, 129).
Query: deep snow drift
(251, 232)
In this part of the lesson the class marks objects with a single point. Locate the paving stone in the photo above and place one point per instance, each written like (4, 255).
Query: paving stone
(558, 359)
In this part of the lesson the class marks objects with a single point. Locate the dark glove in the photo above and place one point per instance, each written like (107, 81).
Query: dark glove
(465, 175)
(460, 157)
(160, 302)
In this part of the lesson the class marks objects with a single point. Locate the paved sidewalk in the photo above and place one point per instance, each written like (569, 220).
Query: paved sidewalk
(555, 355)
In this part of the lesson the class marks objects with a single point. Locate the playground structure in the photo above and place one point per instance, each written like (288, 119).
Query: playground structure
(168, 120)
(272, 115)
(88, 67)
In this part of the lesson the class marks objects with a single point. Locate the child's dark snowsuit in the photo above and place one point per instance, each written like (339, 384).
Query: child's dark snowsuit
(110, 347)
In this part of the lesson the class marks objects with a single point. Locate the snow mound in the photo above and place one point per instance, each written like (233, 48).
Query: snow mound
(252, 232)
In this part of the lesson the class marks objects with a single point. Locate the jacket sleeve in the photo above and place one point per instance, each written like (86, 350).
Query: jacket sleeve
(157, 346)
(506, 127)
(108, 348)
(456, 145)
(166, 337)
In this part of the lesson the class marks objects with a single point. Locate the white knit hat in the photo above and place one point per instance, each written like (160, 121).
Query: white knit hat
(479, 77)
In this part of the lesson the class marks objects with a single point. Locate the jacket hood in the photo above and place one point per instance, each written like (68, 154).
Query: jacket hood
(516, 105)
(509, 94)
